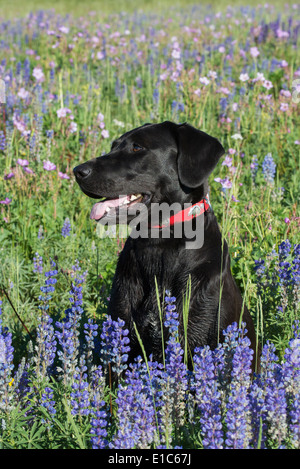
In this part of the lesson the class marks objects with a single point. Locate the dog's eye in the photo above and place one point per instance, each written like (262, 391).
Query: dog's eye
(136, 147)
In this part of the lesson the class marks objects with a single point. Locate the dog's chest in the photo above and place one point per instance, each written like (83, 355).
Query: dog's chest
(162, 264)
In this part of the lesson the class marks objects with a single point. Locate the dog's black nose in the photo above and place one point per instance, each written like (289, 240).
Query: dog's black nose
(82, 171)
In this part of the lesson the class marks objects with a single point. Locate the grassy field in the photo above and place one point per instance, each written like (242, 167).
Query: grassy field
(17, 8)
(75, 77)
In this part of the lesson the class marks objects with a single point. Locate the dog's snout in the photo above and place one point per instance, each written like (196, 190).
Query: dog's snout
(82, 171)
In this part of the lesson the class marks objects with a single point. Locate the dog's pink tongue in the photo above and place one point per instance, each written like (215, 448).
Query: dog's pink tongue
(99, 208)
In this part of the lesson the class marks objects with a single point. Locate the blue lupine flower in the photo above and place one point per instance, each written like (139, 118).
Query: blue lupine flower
(254, 167)
(174, 384)
(208, 397)
(238, 406)
(6, 365)
(156, 97)
(80, 398)
(259, 268)
(68, 348)
(45, 346)
(38, 263)
(114, 344)
(48, 288)
(177, 107)
(68, 338)
(280, 275)
(98, 412)
(49, 134)
(32, 143)
(285, 273)
(274, 395)
(22, 383)
(49, 278)
(291, 380)
(66, 229)
(90, 332)
(174, 379)
(136, 415)
(258, 414)
(223, 103)
(269, 168)
(171, 319)
(48, 401)
(40, 232)
(2, 141)
(258, 395)
(284, 249)
(45, 342)
(296, 265)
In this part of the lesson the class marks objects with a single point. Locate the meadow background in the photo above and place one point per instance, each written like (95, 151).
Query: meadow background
(78, 75)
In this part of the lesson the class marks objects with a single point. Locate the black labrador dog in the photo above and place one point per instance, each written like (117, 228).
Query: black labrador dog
(150, 165)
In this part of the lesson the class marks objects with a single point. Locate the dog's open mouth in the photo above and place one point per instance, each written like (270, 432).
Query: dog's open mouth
(113, 207)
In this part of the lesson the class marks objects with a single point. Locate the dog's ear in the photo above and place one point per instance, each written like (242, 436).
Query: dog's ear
(198, 154)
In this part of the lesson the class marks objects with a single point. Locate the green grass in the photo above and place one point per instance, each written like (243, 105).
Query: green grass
(122, 87)
(103, 8)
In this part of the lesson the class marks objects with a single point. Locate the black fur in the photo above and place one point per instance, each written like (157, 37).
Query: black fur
(171, 163)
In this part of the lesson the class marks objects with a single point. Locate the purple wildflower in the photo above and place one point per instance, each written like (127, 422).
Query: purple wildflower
(45, 342)
(269, 168)
(80, 398)
(238, 406)
(38, 74)
(284, 249)
(22, 163)
(66, 229)
(63, 112)
(48, 288)
(289, 265)
(258, 395)
(45, 346)
(136, 414)
(38, 263)
(176, 371)
(48, 402)
(6, 365)
(98, 412)
(2, 141)
(259, 268)
(114, 344)
(68, 336)
(291, 380)
(225, 183)
(227, 161)
(48, 166)
(8, 176)
(90, 332)
(28, 170)
(63, 175)
(254, 167)
(208, 398)
(67, 353)
(6, 201)
(274, 395)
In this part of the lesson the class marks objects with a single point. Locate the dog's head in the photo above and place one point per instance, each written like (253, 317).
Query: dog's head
(159, 163)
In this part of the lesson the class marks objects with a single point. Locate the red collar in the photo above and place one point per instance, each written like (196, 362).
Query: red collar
(188, 213)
